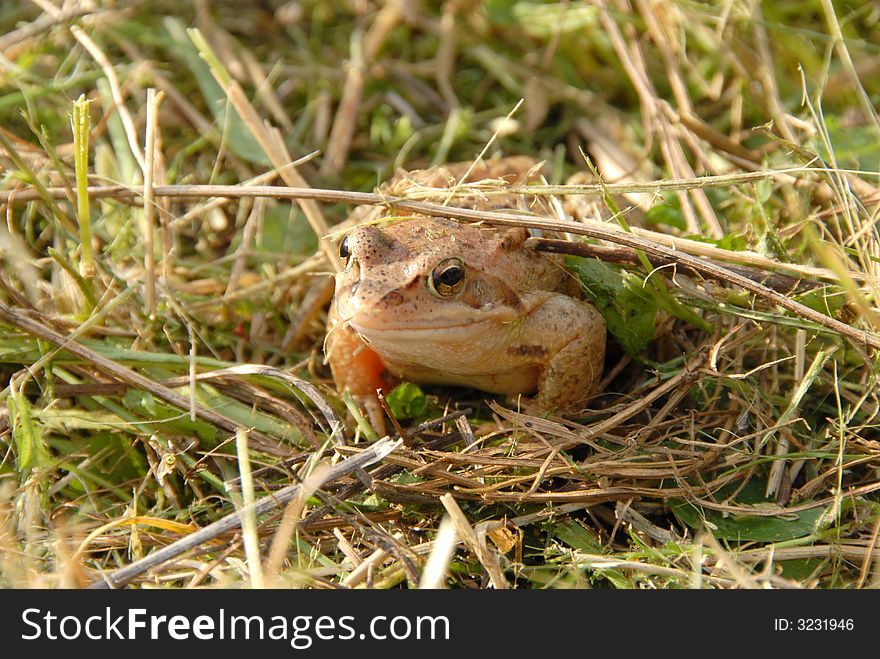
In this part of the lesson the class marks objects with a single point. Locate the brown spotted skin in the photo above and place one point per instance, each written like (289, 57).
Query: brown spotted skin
(512, 326)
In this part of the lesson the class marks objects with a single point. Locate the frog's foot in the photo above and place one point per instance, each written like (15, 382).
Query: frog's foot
(375, 414)
(575, 370)
(357, 369)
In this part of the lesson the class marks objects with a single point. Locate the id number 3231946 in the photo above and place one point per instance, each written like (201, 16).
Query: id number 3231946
(813, 624)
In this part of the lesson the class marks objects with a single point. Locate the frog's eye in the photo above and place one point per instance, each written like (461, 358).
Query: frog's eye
(344, 250)
(447, 278)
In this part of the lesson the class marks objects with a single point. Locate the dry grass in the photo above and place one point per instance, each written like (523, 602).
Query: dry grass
(168, 371)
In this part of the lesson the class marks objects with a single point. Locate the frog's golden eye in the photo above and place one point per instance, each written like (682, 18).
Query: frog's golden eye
(344, 250)
(447, 278)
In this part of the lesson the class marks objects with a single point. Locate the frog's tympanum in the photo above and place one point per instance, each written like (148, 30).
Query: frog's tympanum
(435, 301)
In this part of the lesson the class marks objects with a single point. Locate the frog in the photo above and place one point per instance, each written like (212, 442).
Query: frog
(434, 301)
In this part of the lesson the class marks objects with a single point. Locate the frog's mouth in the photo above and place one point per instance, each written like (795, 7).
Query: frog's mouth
(387, 327)
(395, 328)
(455, 344)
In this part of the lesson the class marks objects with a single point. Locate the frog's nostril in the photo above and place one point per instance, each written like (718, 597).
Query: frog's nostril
(355, 286)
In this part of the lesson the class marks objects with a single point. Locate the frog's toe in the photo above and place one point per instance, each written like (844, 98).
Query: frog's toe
(375, 414)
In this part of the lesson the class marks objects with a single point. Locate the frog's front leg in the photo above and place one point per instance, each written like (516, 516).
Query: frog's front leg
(573, 333)
(356, 368)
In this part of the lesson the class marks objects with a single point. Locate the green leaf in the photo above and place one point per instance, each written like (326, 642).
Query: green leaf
(628, 309)
(828, 300)
(778, 528)
(764, 190)
(854, 146)
(241, 141)
(584, 540)
(542, 19)
(800, 569)
(667, 212)
(142, 401)
(31, 448)
(407, 401)
(285, 230)
(406, 478)
(730, 241)
(577, 537)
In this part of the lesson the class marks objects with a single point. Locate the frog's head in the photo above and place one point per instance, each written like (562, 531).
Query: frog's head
(423, 277)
